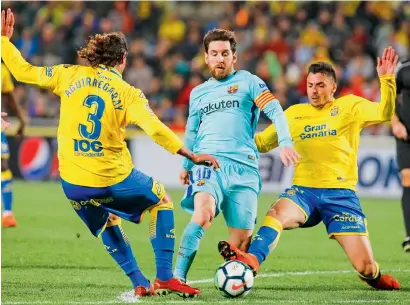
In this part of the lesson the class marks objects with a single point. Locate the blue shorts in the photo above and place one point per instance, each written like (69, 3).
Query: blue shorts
(234, 186)
(339, 209)
(5, 153)
(128, 199)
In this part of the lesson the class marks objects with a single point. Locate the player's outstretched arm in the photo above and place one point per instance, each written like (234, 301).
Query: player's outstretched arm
(371, 113)
(267, 139)
(139, 113)
(266, 102)
(23, 71)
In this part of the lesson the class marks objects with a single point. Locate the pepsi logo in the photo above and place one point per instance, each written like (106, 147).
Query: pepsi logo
(35, 158)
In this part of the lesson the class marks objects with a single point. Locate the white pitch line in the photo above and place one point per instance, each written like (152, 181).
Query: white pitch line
(298, 273)
(128, 297)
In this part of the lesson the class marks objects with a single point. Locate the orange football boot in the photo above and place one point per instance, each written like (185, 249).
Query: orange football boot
(383, 282)
(141, 291)
(8, 221)
(175, 286)
(230, 252)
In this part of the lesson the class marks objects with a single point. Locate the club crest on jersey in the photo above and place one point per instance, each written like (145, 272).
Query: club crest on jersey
(201, 182)
(232, 89)
(334, 111)
(290, 192)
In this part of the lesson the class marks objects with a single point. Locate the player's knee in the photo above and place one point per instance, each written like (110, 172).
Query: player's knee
(166, 202)
(285, 216)
(366, 267)
(204, 216)
(405, 177)
(166, 199)
(113, 220)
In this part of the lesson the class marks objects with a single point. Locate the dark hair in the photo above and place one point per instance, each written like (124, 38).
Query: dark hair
(104, 49)
(220, 34)
(324, 68)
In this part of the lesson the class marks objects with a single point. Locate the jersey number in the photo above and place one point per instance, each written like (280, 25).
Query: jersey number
(93, 118)
(203, 173)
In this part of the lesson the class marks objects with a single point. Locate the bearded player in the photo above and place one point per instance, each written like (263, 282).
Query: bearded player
(223, 114)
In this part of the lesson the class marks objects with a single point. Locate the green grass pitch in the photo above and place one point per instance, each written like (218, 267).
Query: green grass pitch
(51, 258)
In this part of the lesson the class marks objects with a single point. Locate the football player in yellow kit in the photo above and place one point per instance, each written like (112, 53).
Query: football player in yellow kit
(96, 168)
(326, 133)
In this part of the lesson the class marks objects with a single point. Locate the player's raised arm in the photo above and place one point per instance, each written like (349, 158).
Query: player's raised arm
(45, 77)
(139, 113)
(267, 102)
(372, 113)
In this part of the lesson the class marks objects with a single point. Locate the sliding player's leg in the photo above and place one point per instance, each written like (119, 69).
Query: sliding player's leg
(8, 219)
(203, 198)
(134, 196)
(88, 203)
(359, 252)
(345, 222)
(292, 210)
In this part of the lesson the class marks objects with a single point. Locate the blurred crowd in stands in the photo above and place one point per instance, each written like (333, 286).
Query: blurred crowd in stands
(276, 41)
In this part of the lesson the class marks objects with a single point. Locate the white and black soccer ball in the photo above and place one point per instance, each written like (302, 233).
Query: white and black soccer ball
(234, 279)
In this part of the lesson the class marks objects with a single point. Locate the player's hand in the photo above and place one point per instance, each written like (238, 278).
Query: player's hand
(204, 159)
(4, 124)
(184, 177)
(289, 156)
(387, 64)
(399, 131)
(7, 23)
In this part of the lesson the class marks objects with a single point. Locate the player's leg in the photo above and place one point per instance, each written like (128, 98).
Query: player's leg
(359, 252)
(405, 203)
(240, 205)
(8, 219)
(108, 227)
(290, 211)
(345, 222)
(203, 199)
(118, 246)
(134, 196)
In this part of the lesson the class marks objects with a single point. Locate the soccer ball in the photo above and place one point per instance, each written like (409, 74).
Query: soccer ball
(234, 279)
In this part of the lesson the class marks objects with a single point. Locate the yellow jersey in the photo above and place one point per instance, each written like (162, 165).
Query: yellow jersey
(328, 138)
(96, 106)
(7, 85)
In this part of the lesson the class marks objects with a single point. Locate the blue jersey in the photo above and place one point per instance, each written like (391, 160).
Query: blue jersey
(223, 115)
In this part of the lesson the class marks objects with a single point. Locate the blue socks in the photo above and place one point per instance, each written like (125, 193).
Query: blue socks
(266, 239)
(6, 191)
(187, 249)
(118, 246)
(162, 236)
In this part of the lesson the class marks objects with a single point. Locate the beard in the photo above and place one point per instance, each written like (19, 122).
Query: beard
(219, 73)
